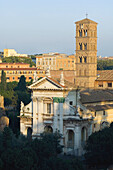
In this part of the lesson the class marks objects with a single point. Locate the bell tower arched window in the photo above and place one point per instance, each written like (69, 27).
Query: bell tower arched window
(85, 59)
(80, 59)
(85, 33)
(80, 33)
(85, 46)
(80, 44)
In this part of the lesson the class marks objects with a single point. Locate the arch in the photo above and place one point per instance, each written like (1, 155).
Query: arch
(70, 143)
(80, 58)
(80, 45)
(48, 129)
(85, 46)
(80, 33)
(85, 59)
(29, 132)
(85, 33)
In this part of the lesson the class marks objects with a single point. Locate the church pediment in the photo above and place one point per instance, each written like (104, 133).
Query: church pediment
(46, 83)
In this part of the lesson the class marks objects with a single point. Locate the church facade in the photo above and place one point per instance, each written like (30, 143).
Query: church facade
(53, 109)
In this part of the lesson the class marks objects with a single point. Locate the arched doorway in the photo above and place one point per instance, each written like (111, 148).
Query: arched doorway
(70, 139)
(83, 135)
(29, 133)
(48, 129)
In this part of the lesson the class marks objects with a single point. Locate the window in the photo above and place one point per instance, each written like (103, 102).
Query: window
(109, 84)
(80, 59)
(80, 33)
(104, 113)
(13, 78)
(95, 114)
(71, 102)
(30, 77)
(7, 78)
(85, 59)
(6, 66)
(80, 44)
(85, 46)
(85, 33)
(48, 107)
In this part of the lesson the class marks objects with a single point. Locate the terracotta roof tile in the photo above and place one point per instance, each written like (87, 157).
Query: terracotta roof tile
(105, 75)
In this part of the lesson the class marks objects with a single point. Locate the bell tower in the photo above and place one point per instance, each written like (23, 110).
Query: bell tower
(86, 53)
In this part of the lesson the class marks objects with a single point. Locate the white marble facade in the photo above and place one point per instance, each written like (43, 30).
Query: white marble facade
(53, 108)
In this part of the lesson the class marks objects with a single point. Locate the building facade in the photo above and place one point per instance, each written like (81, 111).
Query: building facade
(53, 109)
(12, 52)
(15, 70)
(56, 61)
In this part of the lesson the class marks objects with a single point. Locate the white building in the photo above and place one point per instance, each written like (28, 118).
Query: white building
(54, 108)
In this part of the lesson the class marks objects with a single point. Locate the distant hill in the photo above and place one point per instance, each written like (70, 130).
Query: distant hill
(18, 60)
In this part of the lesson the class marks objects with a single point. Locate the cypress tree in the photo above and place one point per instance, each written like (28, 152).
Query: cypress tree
(22, 84)
(3, 81)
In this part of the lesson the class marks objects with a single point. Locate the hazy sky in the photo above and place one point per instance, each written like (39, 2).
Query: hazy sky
(42, 26)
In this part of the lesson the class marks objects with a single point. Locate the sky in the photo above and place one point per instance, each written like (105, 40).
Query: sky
(43, 26)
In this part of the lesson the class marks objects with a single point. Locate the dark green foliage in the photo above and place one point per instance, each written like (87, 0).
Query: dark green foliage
(20, 153)
(42, 154)
(3, 81)
(104, 64)
(22, 84)
(18, 60)
(99, 148)
(15, 93)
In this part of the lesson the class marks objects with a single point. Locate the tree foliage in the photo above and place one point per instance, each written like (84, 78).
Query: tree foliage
(18, 60)
(22, 84)
(3, 81)
(42, 154)
(99, 148)
(104, 64)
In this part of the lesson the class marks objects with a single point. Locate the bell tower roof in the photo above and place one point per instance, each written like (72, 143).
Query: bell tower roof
(86, 20)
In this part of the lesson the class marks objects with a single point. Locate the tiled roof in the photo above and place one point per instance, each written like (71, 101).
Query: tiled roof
(105, 75)
(67, 84)
(86, 20)
(94, 96)
(21, 69)
(100, 107)
(14, 64)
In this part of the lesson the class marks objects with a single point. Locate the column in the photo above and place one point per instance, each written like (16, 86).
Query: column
(40, 116)
(61, 118)
(55, 111)
(90, 129)
(61, 121)
(34, 100)
(77, 140)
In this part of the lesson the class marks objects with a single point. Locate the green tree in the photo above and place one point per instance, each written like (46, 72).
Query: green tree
(3, 81)
(99, 148)
(22, 84)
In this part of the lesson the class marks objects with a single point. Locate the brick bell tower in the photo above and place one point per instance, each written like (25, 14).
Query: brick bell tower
(86, 53)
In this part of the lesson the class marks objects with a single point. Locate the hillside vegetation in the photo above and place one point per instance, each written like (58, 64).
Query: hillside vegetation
(104, 64)
(18, 60)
